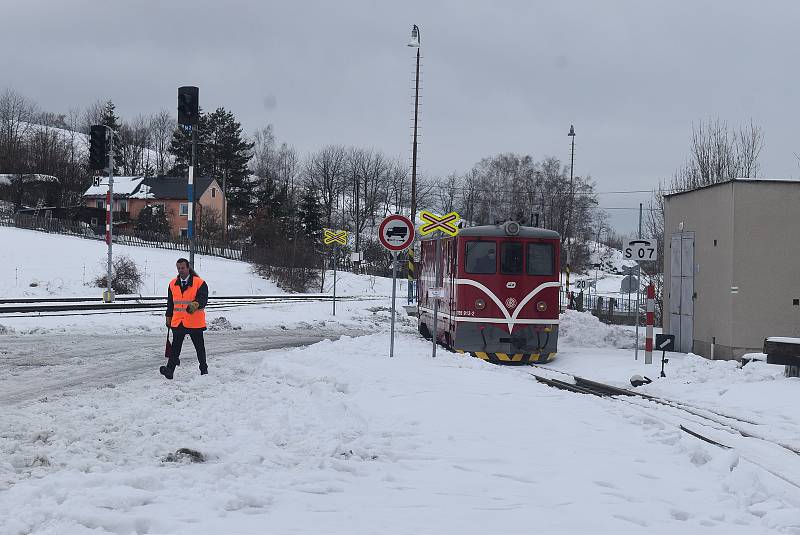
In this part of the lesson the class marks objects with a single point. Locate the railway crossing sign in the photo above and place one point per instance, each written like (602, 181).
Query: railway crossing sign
(445, 223)
(396, 233)
(640, 250)
(335, 236)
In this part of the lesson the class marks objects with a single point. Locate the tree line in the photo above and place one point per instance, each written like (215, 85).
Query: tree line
(279, 200)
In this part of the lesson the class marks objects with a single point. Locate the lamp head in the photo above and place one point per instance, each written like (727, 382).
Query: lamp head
(571, 131)
(415, 39)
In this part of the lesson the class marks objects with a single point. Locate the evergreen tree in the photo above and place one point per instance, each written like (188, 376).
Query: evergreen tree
(222, 150)
(111, 120)
(310, 215)
(228, 154)
(181, 149)
(153, 219)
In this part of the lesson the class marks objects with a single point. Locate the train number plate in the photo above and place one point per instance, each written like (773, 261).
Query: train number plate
(465, 312)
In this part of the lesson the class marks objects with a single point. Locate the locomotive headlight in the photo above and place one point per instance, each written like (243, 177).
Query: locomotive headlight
(480, 304)
(541, 306)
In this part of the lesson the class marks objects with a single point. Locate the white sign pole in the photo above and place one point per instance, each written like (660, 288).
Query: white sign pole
(335, 254)
(638, 287)
(437, 273)
(394, 293)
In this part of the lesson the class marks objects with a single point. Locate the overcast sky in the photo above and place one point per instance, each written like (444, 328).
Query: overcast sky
(497, 76)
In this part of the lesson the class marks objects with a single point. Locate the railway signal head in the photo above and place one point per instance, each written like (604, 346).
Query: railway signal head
(98, 147)
(188, 105)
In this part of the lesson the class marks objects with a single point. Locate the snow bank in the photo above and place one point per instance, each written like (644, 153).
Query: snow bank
(581, 329)
(338, 438)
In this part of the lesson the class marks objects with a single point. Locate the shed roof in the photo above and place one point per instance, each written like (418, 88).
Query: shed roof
(745, 180)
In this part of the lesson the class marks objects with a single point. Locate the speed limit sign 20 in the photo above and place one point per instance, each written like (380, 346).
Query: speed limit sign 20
(640, 250)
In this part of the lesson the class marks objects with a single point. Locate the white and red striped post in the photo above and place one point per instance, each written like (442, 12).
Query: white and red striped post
(108, 217)
(651, 308)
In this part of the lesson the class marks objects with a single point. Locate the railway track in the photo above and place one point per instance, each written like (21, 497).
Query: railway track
(714, 427)
(69, 306)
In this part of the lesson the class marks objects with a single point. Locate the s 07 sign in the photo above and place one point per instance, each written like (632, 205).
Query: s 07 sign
(640, 250)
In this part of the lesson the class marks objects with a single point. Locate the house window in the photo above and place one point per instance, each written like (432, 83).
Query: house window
(122, 206)
(185, 208)
(184, 233)
(213, 192)
(100, 203)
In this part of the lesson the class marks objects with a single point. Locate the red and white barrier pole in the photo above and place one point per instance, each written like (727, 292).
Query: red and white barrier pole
(108, 216)
(651, 308)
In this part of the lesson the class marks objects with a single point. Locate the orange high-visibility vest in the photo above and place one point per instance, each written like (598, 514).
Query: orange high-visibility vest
(195, 320)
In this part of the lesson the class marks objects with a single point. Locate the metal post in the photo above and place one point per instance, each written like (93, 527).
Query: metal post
(437, 284)
(335, 261)
(638, 286)
(190, 195)
(414, 149)
(571, 203)
(412, 275)
(394, 293)
(225, 207)
(109, 297)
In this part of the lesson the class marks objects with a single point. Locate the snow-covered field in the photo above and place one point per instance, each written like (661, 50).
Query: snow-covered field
(336, 437)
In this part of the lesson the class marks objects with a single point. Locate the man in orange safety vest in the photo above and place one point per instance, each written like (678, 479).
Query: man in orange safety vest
(187, 297)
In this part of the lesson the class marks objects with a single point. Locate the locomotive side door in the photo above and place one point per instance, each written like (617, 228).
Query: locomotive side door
(452, 273)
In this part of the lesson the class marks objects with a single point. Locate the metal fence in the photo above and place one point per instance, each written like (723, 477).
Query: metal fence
(136, 238)
(614, 309)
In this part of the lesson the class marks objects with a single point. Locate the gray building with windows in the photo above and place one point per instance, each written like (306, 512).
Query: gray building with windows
(732, 266)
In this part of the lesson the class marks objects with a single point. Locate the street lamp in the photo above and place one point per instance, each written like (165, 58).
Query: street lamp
(414, 42)
(569, 212)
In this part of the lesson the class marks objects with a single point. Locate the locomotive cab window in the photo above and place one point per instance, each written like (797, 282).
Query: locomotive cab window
(540, 259)
(511, 258)
(480, 257)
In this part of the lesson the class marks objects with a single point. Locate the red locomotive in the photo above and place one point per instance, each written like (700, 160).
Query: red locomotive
(500, 286)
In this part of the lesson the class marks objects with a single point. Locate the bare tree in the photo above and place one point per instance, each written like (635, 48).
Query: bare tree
(324, 172)
(161, 126)
(447, 194)
(16, 114)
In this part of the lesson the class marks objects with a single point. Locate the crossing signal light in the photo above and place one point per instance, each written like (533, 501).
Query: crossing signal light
(98, 147)
(188, 108)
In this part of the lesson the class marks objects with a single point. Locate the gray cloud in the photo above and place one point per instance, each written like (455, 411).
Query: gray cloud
(497, 76)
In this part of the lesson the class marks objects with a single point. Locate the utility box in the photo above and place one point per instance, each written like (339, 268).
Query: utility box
(732, 266)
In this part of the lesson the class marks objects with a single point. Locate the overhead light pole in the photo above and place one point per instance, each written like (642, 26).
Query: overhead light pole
(569, 212)
(414, 42)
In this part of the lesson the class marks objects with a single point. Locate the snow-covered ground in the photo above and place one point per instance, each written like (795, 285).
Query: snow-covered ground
(336, 437)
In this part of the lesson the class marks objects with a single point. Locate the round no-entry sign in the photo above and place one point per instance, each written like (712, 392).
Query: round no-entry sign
(396, 232)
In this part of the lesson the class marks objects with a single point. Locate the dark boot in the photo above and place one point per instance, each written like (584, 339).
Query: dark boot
(166, 371)
(203, 371)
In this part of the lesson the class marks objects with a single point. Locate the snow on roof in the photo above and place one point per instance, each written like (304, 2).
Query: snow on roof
(142, 193)
(5, 179)
(123, 185)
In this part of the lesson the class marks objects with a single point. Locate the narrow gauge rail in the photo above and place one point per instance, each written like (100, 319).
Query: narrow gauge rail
(136, 304)
(92, 299)
(691, 414)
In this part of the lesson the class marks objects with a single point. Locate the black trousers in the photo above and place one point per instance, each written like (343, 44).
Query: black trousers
(178, 334)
